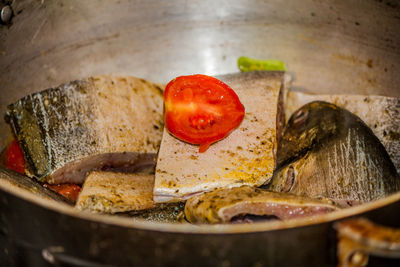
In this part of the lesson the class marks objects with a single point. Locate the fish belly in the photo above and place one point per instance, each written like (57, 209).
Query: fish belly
(222, 205)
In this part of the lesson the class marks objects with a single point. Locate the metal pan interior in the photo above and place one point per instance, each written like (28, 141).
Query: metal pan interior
(346, 47)
(201, 229)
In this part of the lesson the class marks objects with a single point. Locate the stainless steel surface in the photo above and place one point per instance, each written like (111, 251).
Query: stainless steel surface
(347, 46)
(331, 46)
(6, 14)
(359, 238)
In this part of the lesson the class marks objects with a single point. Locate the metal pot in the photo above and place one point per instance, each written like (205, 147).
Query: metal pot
(331, 46)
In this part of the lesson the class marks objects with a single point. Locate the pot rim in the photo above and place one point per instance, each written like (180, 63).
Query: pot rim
(190, 228)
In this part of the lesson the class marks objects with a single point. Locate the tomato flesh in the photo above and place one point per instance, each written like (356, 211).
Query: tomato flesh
(70, 191)
(201, 110)
(13, 158)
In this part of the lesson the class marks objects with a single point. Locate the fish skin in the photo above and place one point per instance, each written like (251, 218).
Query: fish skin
(246, 156)
(87, 125)
(326, 151)
(221, 205)
(380, 113)
(162, 212)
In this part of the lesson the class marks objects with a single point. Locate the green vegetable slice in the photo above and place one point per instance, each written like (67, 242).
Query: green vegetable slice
(249, 64)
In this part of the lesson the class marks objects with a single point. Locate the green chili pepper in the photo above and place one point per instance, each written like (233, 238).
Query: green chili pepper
(249, 64)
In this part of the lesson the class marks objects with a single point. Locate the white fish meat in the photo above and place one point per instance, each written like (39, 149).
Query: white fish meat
(245, 157)
(112, 192)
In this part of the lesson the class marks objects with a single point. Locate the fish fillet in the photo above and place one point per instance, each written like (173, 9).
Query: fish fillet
(245, 157)
(111, 192)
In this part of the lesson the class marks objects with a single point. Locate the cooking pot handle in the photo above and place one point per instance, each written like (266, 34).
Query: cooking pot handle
(56, 256)
(358, 238)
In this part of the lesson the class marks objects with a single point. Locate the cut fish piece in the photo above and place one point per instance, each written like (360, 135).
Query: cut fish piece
(380, 113)
(327, 151)
(92, 124)
(245, 157)
(111, 192)
(223, 205)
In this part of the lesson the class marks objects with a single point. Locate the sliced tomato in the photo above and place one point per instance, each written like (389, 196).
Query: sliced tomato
(13, 157)
(201, 110)
(70, 191)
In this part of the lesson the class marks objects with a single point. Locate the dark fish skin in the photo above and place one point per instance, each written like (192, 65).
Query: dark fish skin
(162, 212)
(380, 113)
(39, 118)
(326, 151)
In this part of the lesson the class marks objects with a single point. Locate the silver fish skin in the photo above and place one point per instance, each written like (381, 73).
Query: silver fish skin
(326, 151)
(95, 123)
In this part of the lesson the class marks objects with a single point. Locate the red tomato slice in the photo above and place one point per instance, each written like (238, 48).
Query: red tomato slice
(201, 110)
(70, 191)
(13, 158)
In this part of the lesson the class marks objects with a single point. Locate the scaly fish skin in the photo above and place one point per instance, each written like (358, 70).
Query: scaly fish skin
(380, 113)
(326, 151)
(88, 125)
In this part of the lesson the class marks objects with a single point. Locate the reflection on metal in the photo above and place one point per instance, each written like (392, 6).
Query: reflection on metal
(359, 238)
(57, 256)
(53, 42)
(10, 177)
(5, 13)
(319, 41)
